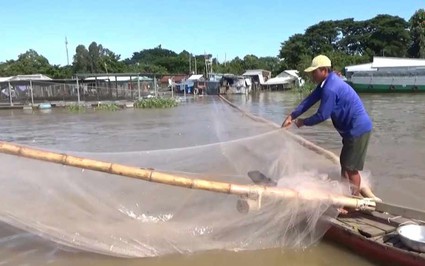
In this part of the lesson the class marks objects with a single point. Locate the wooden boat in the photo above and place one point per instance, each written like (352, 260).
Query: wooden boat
(374, 236)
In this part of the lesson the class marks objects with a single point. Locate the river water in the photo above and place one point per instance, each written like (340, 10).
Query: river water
(395, 159)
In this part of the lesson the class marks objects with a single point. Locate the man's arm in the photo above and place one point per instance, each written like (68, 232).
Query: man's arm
(327, 104)
(308, 102)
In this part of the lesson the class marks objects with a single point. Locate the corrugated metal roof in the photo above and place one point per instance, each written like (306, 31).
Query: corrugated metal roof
(118, 78)
(380, 62)
(25, 77)
(4, 79)
(362, 67)
(253, 72)
(279, 80)
(292, 73)
(195, 77)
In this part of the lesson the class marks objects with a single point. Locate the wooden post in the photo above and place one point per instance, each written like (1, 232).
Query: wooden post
(32, 94)
(138, 86)
(10, 94)
(78, 92)
(154, 85)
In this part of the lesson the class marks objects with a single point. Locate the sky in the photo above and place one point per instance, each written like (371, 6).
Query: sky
(225, 29)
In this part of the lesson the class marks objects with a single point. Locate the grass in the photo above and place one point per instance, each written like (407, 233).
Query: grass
(75, 108)
(107, 107)
(156, 103)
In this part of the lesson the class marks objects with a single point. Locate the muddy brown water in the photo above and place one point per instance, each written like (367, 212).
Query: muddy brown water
(395, 159)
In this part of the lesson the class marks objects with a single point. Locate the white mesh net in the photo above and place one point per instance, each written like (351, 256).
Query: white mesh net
(120, 216)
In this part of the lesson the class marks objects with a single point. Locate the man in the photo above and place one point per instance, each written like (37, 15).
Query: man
(340, 102)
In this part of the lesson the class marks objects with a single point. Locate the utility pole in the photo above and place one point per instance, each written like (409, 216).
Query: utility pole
(66, 47)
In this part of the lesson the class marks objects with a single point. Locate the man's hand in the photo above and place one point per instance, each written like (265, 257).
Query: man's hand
(287, 122)
(299, 122)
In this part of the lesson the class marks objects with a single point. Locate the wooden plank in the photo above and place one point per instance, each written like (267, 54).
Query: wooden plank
(400, 210)
(385, 227)
(370, 231)
(362, 227)
(388, 218)
(352, 222)
(367, 227)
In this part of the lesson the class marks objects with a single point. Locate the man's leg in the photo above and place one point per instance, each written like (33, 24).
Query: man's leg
(353, 176)
(352, 159)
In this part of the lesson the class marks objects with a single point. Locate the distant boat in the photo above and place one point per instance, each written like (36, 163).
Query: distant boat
(387, 74)
(389, 81)
(44, 106)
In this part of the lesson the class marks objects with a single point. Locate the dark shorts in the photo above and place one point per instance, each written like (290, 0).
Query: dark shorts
(353, 152)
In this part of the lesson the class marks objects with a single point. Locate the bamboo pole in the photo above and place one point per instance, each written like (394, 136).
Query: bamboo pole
(246, 191)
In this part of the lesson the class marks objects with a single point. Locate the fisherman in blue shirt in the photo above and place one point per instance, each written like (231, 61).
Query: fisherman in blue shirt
(340, 102)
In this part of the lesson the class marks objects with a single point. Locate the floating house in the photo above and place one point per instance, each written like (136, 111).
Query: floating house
(259, 77)
(286, 80)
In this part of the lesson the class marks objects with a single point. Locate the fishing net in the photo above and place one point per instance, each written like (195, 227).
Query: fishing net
(120, 216)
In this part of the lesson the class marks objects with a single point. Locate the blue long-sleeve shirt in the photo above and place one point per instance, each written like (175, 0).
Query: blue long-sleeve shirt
(339, 102)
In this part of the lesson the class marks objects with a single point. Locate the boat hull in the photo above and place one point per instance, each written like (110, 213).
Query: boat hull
(387, 88)
(384, 248)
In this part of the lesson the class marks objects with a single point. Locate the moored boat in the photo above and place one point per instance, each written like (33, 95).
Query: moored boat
(387, 75)
(44, 106)
(388, 82)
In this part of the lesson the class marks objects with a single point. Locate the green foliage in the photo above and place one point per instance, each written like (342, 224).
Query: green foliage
(293, 49)
(417, 33)
(156, 103)
(347, 41)
(96, 59)
(387, 36)
(29, 62)
(107, 107)
(75, 108)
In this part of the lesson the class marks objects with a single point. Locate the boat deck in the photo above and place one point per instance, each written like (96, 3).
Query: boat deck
(373, 235)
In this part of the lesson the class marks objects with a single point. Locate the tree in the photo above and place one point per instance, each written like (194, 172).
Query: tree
(417, 33)
(59, 72)
(96, 59)
(387, 36)
(322, 37)
(293, 49)
(81, 62)
(31, 62)
(95, 52)
(352, 36)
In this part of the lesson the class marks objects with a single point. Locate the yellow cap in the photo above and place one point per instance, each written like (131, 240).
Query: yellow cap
(319, 61)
